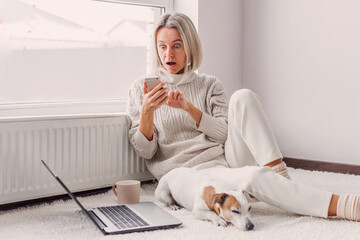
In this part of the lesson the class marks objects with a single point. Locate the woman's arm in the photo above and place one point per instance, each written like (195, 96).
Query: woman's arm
(213, 123)
(195, 113)
(144, 139)
(152, 100)
(177, 100)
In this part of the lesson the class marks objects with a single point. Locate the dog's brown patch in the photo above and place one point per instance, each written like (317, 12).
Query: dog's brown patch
(215, 201)
(229, 204)
(207, 195)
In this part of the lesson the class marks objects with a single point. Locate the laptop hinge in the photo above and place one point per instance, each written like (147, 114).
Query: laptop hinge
(96, 220)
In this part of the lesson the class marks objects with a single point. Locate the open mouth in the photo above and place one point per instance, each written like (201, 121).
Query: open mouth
(171, 63)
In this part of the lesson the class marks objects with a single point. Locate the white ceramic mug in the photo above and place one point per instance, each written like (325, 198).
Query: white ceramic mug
(127, 191)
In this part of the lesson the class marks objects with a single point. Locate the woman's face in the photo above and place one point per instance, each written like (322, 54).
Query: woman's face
(170, 49)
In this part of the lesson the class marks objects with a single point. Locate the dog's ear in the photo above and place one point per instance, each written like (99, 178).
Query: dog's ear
(218, 201)
(219, 198)
(217, 209)
(222, 198)
(208, 196)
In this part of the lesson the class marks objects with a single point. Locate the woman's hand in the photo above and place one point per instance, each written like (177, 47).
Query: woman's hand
(176, 99)
(154, 98)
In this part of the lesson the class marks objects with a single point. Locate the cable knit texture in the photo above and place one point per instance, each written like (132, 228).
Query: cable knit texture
(177, 141)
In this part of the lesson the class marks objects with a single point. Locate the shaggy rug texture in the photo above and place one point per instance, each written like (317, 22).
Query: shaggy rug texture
(64, 220)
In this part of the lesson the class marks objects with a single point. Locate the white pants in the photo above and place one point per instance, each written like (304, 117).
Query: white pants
(267, 186)
(251, 143)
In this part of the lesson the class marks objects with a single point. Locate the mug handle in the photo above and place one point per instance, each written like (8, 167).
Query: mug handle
(114, 189)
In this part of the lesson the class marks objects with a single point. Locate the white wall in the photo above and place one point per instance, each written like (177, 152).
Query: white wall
(219, 24)
(190, 8)
(220, 29)
(303, 58)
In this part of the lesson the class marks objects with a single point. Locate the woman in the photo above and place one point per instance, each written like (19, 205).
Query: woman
(186, 121)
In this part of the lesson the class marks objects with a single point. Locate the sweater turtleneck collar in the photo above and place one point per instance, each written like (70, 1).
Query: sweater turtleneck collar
(176, 79)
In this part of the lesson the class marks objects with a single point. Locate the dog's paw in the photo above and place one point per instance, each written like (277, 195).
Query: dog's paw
(220, 222)
(174, 207)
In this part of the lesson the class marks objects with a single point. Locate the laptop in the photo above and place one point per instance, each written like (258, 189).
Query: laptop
(125, 218)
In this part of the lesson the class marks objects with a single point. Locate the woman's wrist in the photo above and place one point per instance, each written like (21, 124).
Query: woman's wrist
(146, 111)
(187, 107)
(146, 123)
(195, 113)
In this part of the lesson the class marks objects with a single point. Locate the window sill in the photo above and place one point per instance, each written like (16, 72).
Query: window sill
(61, 110)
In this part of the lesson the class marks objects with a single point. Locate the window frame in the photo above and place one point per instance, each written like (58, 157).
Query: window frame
(20, 111)
(167, 4)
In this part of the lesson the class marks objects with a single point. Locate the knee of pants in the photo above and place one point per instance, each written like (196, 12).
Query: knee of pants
(254, 175)
(243, 97)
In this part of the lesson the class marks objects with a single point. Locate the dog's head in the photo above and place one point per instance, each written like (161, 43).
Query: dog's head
(232, 206)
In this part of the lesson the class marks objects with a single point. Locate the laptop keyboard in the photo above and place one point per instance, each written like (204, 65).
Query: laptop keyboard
(123, 217)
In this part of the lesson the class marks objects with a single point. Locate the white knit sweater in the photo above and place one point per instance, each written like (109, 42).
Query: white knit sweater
(177, 141)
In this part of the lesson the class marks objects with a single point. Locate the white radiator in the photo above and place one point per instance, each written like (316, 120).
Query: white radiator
(86, 152)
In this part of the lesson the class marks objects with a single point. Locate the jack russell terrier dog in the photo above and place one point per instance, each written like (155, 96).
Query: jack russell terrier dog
(208, 199)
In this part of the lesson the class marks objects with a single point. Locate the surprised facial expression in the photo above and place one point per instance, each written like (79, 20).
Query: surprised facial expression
(170, 49)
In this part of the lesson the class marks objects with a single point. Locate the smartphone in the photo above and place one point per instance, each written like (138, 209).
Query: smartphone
(151, 81)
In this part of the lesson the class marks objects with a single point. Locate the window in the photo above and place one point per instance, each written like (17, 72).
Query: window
(55, 51)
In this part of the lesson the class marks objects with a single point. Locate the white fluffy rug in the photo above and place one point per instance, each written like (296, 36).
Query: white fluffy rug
(63, 220)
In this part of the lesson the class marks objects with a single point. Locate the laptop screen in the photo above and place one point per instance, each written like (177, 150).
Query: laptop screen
(66, 189)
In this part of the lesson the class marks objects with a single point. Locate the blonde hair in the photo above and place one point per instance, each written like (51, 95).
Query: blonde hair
(189, 36)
